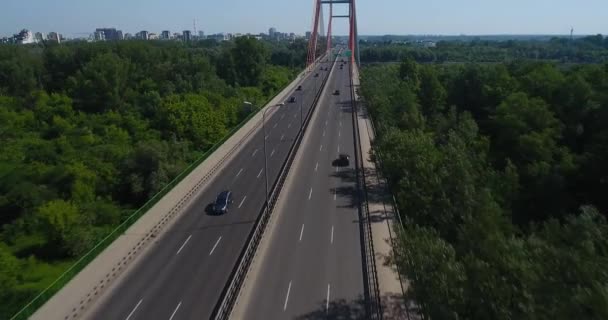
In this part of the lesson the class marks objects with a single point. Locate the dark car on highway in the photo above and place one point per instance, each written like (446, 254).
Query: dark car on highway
(223, 200)
(342, 161)
(292, 100)
(299, 88)
(337, 92)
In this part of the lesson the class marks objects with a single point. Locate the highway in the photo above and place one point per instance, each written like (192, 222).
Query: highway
(183, 274)
(311, 267)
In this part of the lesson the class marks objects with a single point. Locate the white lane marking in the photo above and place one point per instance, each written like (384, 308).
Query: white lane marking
(327, 303)
(259, 174)
(133, 311)
(338, 148)
(282, 116)
(310, 194)
(282, 136)
(289, 125)
(339, 133)
(240, 171)
(340, 123)
(241, 204)
(175, 311)
(335, 193)
(183, 245)
(301, 232)
(295, 115)
(254, 152)
(317, 166)
(324, 132)
(216, 243)
(337, 168)
(321, 148)
(266, 138)
(275, 125)
(332, 235)
(325, 122)
(272, 152)
(287, 296)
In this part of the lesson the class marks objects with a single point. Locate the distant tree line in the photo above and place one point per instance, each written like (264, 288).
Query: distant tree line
(500, 172)
(592, 49)
(90, 131)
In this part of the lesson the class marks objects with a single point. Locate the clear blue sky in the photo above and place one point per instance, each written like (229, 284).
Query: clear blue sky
(374, 16)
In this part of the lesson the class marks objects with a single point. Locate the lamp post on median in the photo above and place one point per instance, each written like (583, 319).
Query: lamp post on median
(264, 149)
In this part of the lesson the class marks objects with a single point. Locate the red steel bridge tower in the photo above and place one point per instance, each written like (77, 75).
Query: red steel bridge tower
(353, 43)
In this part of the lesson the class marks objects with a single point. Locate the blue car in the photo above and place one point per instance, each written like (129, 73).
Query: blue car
(220, 206)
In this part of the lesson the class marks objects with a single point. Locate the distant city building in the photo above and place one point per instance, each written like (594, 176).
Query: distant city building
(142, 35)
(201, 35)
(54, 37)
(165, 35)
(219, 37)
(271, 32)
(24, 37)
(109, 34)
(99, 36)
(186, 36)
(153, 36)
(308, 34)
(177, 36)
(128, 36)
(39, 37)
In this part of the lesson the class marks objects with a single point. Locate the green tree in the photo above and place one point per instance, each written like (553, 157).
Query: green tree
(101, 84)
(57, 220)
(249, 56)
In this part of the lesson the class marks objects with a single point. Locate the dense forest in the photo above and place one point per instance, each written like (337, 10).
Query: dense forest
(90, 131)
(500, 172)
(592, 49)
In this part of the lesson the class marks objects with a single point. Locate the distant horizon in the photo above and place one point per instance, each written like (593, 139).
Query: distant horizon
(84, 35)
(388, 17)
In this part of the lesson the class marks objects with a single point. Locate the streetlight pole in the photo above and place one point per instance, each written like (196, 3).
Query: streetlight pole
(265, 159)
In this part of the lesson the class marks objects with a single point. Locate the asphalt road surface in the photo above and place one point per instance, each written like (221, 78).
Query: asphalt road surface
(312, 267)
(183, 275)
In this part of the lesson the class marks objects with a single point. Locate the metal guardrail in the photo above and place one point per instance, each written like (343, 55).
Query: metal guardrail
(29, 309)
(375, 304)
(231, 291)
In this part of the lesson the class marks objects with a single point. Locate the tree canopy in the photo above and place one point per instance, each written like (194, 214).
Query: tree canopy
(499, 172)
(90, 131)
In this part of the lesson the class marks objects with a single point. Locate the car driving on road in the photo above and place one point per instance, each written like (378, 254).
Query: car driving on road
(342, 161)
(292, 100)
(223, 200)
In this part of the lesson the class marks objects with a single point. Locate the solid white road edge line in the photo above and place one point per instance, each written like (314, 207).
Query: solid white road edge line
(183, 245)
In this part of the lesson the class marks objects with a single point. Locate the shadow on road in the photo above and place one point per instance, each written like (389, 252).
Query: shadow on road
(337, 309)
(393, 308)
